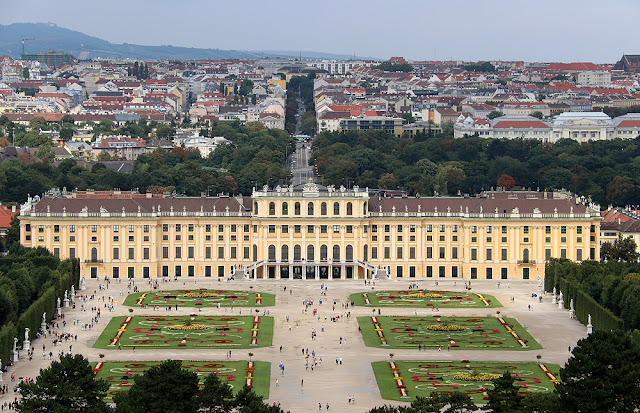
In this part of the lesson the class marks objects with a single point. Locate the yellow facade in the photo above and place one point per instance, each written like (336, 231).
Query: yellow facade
(314, 232)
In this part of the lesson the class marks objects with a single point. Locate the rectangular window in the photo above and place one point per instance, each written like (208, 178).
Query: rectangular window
(442, 253)
(454, 228)
(116, 228)
(311, 227)
(504, 229)
(349, 229)
(412, 271)
(145, 272)
(454, 253)
(220, 270)
(374, 228)
(489, 254)
(399, 238)
(504, 273)
(504, 255)
(474, 254)
(441, 271)
(399, 253)
(131, 238)
(547, 229)
(429, 238)
(132, 253)
(207, 252)
(429, 228)
(374, 253)
(234, 228)
(297, 229)
(399, 271)
(429, 252)
(190, 252)
(56, 229)
(145, 229)
(412, 228)
(56, 252)
(234, 253)
(429, 271)
(72, 252)
(220, 253)
(454, 271)
(563, 229)
(165, 227)
(547, 239)
(191, 271)
(442, 229)
(132, 228)
(387, 252)
(165, 270)
(563, 239)
(178, 252)
(178, 270)
(116, 253)
(220, 237)
(547, 254)
(336, 229)
(489, 273)
(145, 253)
(272, 229)
(474, 229)
(207, 228)
(56, 238)
(474, 273)
(94, 228)
(246, 253)
(387, 228)
(190, 228)
(220, 228)
(399, 228)
(165, 252)
(178, 237)
(130, 272)
(579, 254)
(387, 238)
(412, 238)
(525, 229)
(72, 229)
(285, 229)
(245, 228)
(115, 272)
(563, 253)
(489, 229)
(323, 229)
(412, 253)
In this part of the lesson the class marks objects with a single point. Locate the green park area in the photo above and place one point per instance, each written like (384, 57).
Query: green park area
(120, 375)
(424, 299)
(404, 380)
(193, 331)
(446, 333)
(201, 298)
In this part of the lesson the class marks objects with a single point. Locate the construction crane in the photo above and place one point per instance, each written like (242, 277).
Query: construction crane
(25, 39)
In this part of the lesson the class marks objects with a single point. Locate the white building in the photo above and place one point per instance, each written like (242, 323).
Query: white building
(594, 78)
(583, 126)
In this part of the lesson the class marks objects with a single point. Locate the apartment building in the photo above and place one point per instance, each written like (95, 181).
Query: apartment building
(313, 232)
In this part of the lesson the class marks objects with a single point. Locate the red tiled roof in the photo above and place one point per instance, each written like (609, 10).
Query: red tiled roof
(521, 124)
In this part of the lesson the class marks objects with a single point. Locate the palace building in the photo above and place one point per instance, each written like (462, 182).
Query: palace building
(313, 232)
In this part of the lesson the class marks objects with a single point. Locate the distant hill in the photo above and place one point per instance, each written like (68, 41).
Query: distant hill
(52, 37)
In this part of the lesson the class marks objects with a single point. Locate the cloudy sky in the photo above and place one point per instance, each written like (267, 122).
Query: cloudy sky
(541, 30)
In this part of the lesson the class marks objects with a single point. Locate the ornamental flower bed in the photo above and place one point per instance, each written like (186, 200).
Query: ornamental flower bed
(422, 377)
(230, 332)
(120, 375)
(424, 299)
(442, 332)
(201, 298)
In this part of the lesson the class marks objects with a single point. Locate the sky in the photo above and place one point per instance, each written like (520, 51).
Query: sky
(540, 30)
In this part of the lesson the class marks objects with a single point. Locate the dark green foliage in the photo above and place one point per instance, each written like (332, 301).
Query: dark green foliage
(622, 249)
(215, 396)
(387, 66)
(603, 374)
(482, 67)
(67, 385)
(503, 398)
(455, 402)
(589, 169)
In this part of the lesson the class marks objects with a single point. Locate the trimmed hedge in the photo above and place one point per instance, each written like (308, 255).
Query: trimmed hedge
(7, 333)
(557, 273)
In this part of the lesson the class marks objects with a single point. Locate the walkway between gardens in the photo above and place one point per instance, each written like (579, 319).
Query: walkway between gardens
(300, 389)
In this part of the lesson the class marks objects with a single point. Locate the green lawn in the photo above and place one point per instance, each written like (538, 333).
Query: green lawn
(424, 299)
(420, 378)
(201, 298)
(154, 332)
(121, 374)
(478, 333)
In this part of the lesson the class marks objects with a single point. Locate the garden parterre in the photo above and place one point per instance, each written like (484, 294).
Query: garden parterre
(424, 299)
(186, 332)
(200, 298)
(120, 375)
(438, 332)
(404, 380)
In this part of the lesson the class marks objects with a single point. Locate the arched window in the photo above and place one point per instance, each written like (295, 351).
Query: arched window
(365, 253)
(336, 252)
(255, 208)
(297, 253)
(285, 208)
(255, 252)
(525, 255)
(349, 253)
(323, 208)
(285, 253)
(272, 208)
(323, 252)
(336, 208)
(310, 208)
(272, 252)
(349, 208)
(94, 254)
(296, 208)
(310, 253)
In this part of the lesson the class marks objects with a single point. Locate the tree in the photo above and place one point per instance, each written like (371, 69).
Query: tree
(25, 73)
(603, 374)
(13, 233)
(249, 402)
(37, 122)
(494, 114)
(459, 402)
(166, 387)
(216, 396)
(537, 114)
(67, 385)
(547, 402)
(66, 133)
(104, 156)
(507, 182)
(504, 395)
(68, 119)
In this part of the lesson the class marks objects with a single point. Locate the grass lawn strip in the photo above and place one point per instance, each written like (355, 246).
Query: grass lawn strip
(403, 380)
(256, 374)
(424, 299)
(476, 333)
(196, 331)
(201, 298)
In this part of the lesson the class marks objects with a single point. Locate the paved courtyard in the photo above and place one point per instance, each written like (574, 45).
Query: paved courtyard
(299, 389)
